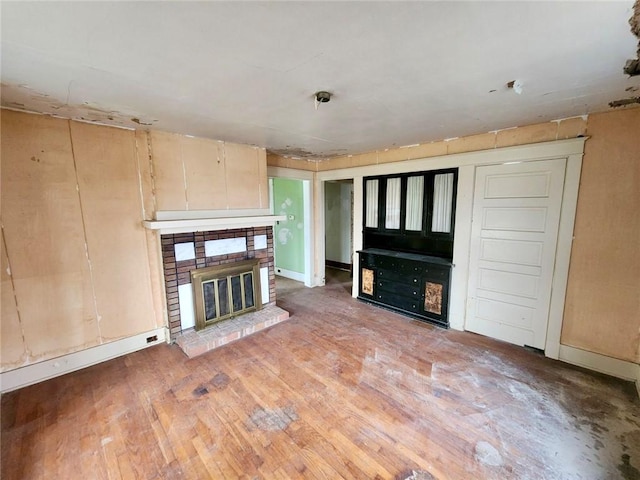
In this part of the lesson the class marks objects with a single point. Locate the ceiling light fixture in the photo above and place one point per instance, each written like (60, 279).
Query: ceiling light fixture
(321, 97)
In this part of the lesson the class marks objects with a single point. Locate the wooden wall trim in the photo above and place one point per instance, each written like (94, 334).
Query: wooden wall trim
(600, 363)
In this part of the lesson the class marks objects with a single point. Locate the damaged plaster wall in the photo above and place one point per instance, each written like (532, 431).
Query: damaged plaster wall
(632, 67)
(78, 268)
(540, 132)
(602, 311)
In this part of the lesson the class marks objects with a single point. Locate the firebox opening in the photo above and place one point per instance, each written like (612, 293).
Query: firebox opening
(225, 291)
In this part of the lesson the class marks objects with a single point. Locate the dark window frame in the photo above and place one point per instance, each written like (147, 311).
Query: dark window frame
(424, 241)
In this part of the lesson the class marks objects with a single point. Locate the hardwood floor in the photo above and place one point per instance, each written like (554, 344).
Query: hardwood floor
(342, 390)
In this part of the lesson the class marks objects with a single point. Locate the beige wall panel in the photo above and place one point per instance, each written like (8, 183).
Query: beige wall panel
(157, 279)
(204, 167)
(393, 155)
(426, 150)
(14, 351)
(146, 174)
(243, 176)
(307, 165)
(363, 160)
(472, 143)
(572, 128)
(539, 132)
(274, 160)
(302, 164)
(168, 172)
(263, 178)
(335, 163)
(58, 314)
(602, 312)
(325, 165)
(44, 236)
(109, 190)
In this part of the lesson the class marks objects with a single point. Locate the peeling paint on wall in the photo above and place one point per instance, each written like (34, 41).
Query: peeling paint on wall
(632, 67)
(624, 102)
(16, 97)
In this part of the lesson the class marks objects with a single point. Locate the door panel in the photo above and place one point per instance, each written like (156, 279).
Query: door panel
(514, 232)
(514, 219)
(511, 251)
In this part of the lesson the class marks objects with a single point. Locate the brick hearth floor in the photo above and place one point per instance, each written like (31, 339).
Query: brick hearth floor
(196, 343)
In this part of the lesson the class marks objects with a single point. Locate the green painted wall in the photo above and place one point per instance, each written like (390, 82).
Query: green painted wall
(289, 234)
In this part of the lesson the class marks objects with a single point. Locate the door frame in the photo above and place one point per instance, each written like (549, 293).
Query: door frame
(572, 150)
(547, 238)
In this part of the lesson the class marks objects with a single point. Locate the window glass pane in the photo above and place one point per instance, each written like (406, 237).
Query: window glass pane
(236, 293)
(209, 294)
(415, 195)
(248, 289)
(392, 218)
(371, 220)
(442, 202)
(223, 296)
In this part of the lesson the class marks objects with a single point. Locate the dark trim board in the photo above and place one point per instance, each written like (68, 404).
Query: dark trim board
(347, 267)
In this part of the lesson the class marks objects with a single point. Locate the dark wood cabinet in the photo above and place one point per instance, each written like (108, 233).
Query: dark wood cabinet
(414, 284)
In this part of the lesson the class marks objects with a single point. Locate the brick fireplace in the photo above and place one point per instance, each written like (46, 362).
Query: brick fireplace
(184, 252)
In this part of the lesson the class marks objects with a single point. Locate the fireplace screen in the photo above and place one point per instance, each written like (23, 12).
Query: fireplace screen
(225, 291)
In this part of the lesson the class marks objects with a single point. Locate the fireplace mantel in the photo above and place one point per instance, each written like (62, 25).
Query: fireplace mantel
(186, 225)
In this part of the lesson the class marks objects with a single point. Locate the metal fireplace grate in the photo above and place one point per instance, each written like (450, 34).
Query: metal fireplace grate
(226, 291)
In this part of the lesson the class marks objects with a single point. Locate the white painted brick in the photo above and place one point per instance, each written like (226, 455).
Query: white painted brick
(225, 246)
(264, 284)
(185, 251)
(260, 242)
(187, 314)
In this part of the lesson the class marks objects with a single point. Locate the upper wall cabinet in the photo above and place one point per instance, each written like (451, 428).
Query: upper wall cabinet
(412, 212)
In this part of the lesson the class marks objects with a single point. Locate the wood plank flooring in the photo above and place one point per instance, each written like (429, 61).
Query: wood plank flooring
(342, 390)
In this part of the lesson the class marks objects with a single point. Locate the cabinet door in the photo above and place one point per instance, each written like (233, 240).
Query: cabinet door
(435, 290)
(367, 275)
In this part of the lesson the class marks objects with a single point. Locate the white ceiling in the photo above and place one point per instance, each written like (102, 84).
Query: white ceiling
(400, 73)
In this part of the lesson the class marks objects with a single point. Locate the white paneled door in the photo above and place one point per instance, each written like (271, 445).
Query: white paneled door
(516, 212)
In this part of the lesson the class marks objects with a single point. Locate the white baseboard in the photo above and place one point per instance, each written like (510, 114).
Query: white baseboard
(289, 274)
(38, 372)
(601, 363)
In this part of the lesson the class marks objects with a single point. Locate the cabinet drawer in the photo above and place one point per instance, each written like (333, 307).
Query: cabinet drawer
(437, 273)
(408, 304)
(398, 277)
(367, 259)
(398, 264)
(410, 291)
